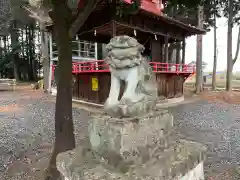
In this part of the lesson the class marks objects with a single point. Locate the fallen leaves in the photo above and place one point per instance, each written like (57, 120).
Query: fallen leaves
(231, 97)
(9, 108)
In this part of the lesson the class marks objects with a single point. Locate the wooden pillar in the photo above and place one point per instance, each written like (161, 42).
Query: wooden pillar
(162, 50)
(166, 49)
(178, 48)
(114, 30)
(183, 51)
(172, 53)
(156, 50)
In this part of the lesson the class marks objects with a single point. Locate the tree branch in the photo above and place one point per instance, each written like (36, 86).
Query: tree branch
(81, 16)
(238, 47)
(38, 16)
(80, 9)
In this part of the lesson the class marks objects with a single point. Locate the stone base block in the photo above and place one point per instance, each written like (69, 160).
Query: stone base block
(127, 135)
(133, 149)
(179, 163)
(195, 174)
(184, 162)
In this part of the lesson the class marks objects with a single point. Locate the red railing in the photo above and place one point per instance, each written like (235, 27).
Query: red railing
(101, 66)
(159, 67)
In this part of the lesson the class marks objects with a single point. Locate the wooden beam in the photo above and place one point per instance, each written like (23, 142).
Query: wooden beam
(155, 26)
(141, 23)
(93, 21)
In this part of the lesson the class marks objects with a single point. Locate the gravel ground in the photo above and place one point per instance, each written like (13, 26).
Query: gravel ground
(217, 125)
(27, 122)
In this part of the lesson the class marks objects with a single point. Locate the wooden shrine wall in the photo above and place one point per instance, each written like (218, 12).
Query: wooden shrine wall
(94, 87)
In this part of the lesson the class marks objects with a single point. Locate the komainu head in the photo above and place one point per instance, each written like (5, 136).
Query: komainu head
(124, 52)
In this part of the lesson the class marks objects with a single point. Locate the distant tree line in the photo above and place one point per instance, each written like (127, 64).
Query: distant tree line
(20, 52)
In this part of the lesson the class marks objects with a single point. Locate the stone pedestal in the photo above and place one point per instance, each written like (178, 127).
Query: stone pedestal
(134, 141)
(133, 149)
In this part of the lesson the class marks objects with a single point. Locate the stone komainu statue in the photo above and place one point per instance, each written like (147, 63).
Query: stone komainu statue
(126, 63)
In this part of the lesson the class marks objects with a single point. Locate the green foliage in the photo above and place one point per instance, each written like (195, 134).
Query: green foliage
(236, 10)
(188, 9)
(19, 51)
(123, 9)
(186, 3)
(6, 59)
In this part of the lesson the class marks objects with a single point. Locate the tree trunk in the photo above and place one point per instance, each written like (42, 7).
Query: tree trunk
(31, 57)
(32, 28)
(229, 47)
(5, 45)
(45, 58)
(199, 75)
(238, 47)
(15, 56)
(64, 130)
(215, 53)
(28, 71)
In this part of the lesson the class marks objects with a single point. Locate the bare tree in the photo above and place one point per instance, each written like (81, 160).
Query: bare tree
(238, 47)
(215, 51)
(199, 75)
(229, 46)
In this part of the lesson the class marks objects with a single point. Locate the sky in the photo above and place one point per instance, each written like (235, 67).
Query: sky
(208, 47)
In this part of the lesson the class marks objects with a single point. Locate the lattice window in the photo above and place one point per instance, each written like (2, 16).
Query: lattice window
(81, 50)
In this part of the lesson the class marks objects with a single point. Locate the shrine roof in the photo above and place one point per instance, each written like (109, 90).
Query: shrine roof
(154, 8)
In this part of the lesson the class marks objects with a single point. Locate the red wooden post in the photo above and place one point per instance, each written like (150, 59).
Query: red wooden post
(167, 67)
(73, 68)
(53, 69)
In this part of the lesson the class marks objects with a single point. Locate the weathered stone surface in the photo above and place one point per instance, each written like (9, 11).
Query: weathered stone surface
(172, 163)
(195, 174)
(84, 164)
(125, 136)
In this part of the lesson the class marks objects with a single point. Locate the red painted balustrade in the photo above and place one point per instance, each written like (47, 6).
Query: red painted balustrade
(99, 66)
